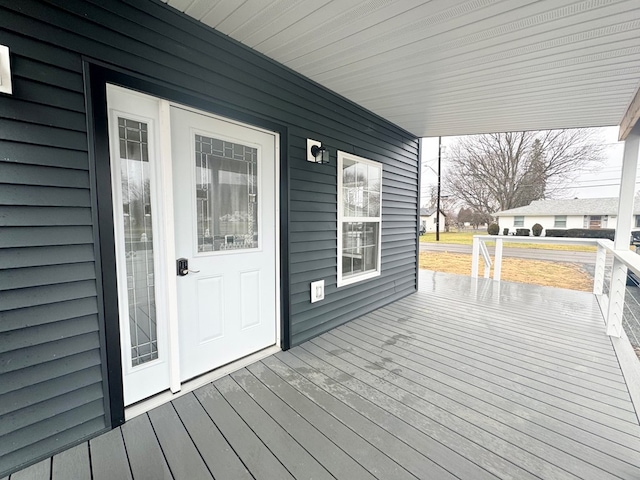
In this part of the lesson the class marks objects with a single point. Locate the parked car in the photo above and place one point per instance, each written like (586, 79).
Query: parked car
(635, 237)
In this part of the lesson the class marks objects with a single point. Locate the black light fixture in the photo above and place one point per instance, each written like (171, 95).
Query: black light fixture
(316, 153)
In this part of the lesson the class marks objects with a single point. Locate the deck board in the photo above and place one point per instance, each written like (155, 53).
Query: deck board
(37, 471)
(306, 433)
(260, 461)
(109, 457)
(387, 432)
(144, 452)
(376, 461)
(501, 424)
(464, 380)
(214, 448)
(72, 463)
(298, 461)
(181, 453)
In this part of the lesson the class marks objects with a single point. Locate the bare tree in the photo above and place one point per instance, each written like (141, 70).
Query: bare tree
(500, 171)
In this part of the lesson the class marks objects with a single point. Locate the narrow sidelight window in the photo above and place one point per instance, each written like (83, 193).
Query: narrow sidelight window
(135, 175)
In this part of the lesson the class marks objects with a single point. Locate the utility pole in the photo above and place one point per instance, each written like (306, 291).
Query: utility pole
(438, 199)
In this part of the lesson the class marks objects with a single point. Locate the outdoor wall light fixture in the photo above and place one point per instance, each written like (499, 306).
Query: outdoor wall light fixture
(316, 153)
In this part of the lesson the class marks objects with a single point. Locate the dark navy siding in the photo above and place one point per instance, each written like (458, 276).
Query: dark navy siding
(51, 381)
(51, 363)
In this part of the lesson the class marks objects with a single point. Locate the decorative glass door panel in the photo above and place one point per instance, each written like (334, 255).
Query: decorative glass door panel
(138, 239)
(226, 195)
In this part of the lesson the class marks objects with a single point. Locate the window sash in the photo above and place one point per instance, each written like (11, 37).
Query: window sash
(560, 221)
(359, 218)
(518, 221)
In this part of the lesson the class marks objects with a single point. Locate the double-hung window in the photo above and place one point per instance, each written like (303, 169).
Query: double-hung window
(359, 218)
(560, 221)
(518, 221)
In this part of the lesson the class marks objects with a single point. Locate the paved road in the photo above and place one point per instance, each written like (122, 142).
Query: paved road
(531, 253)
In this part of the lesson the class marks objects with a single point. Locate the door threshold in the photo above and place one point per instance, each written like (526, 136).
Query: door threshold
(144, 406)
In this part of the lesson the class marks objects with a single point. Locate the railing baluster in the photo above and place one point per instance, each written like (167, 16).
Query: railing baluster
(598, 277)
(497, 269)
(617, 290)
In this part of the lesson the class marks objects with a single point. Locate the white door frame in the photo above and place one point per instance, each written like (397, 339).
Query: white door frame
(165, 227)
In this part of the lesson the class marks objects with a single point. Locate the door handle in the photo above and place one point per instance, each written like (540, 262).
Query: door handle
(182, 267)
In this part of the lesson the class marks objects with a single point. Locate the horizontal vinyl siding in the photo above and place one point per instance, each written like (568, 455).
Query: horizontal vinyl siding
(150, 39)
(45, 207)
(51, 384)
(313, 240)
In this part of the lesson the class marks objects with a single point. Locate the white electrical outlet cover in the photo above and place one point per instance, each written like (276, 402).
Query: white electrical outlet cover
(317, 291)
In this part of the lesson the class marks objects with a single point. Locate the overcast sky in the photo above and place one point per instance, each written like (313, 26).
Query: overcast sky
(605, 182)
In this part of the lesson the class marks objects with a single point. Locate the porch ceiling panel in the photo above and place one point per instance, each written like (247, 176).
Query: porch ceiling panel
(452, 67)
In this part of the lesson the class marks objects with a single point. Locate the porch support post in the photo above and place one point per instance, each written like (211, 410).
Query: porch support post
(623, 231)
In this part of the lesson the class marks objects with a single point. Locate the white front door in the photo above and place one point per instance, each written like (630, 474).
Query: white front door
(217, 180)
(225, 228)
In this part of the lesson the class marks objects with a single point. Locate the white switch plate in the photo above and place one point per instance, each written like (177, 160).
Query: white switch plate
(5, 70)
(317, 291)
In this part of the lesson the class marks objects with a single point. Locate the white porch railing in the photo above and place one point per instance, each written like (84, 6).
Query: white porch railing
(611, 303)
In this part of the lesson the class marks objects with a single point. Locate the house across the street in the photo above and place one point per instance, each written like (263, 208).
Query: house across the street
(428, 220)
(565, 213)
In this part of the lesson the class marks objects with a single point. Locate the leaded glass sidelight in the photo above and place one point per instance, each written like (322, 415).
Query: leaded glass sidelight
(138, 239)
(226, 195)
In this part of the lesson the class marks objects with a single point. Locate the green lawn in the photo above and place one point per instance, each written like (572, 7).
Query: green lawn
(466, 238)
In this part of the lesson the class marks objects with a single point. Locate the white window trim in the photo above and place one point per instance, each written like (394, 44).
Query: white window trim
(374, 273)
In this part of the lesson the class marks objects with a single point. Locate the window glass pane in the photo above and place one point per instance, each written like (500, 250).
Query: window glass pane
(373, 187)
(138, 236)
(560, 221)
(359, 247)
(360, 189)
(226, 195)
(518, 221)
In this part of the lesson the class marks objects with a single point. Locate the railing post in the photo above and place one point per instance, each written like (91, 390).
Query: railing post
(497, 267)
(598, 277)
(616, 298)
(475, 257)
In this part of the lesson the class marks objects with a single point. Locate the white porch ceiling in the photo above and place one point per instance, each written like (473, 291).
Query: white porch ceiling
(452, 67)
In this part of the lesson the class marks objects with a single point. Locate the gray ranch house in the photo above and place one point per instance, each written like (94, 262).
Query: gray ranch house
(565, 213)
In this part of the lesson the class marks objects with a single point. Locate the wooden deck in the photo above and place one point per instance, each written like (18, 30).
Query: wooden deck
(459, 381)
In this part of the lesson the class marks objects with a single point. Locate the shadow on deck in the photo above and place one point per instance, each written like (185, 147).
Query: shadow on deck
(461, 380)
